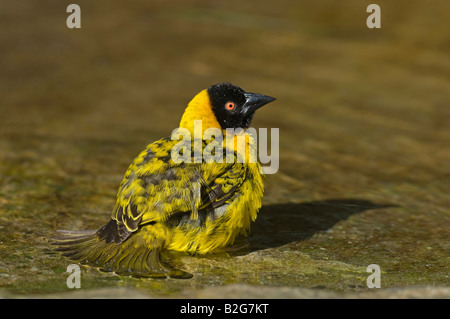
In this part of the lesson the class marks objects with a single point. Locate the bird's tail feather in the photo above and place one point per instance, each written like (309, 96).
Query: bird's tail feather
(131, 257)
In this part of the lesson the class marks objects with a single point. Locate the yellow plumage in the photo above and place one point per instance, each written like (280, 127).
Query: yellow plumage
(191, 207)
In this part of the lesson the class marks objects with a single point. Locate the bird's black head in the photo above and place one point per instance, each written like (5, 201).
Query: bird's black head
(233, 107)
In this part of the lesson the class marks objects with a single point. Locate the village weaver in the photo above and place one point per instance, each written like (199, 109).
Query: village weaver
(162, 204)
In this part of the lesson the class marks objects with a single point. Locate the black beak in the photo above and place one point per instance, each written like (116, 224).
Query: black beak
(254, 101)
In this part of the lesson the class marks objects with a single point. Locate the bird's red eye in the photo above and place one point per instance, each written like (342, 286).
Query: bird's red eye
(230, 106)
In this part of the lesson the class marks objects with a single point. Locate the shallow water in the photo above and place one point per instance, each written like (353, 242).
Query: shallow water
(364, 134)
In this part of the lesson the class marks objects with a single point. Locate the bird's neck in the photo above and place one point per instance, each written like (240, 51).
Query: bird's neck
(198, 117)
(199, 109)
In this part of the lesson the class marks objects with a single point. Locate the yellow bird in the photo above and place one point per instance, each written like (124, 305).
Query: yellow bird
(194, 206)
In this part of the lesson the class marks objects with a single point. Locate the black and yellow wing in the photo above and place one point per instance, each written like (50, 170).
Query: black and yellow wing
(153, 190)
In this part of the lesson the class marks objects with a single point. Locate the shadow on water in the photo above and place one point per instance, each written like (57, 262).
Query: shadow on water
(281, 224)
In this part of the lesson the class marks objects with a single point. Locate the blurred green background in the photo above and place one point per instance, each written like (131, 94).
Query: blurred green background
(364, 123)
